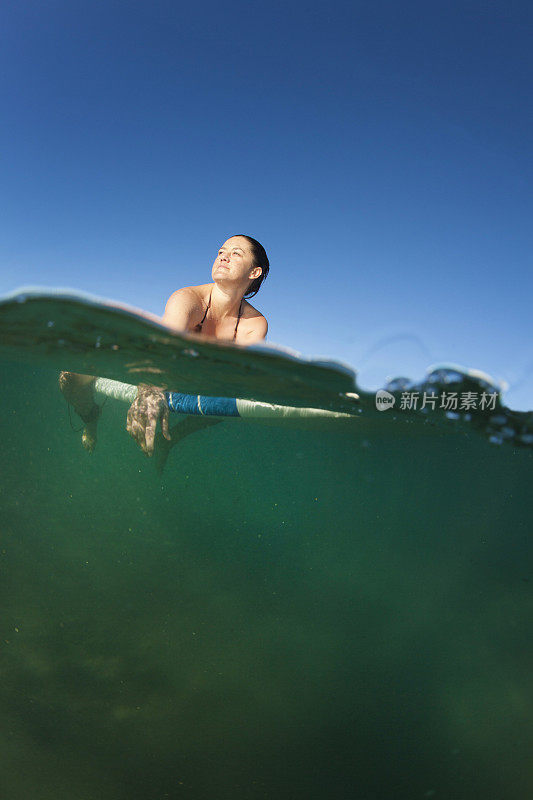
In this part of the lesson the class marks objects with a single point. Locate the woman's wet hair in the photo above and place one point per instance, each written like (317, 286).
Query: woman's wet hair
(260, 260)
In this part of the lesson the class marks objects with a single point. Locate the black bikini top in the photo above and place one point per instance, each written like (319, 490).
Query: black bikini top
(198, 328)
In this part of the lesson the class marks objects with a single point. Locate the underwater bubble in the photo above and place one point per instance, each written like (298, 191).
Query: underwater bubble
(507, 433)
(452, 415)
(50, 323)
(349, 395)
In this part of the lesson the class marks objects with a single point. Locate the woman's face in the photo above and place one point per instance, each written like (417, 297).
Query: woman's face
(235, 260)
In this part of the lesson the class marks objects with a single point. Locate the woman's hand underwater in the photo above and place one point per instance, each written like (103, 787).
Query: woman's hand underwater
(149, 406)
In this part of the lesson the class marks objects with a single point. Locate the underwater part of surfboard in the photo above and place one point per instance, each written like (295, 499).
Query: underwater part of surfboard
(216, 406)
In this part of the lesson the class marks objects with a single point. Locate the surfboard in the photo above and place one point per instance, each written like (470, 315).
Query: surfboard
(202, 405)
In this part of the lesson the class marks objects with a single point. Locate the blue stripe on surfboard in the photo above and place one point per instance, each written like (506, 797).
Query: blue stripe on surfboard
(202, 405)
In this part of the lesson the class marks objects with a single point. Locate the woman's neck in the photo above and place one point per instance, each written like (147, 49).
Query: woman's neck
(225, 302)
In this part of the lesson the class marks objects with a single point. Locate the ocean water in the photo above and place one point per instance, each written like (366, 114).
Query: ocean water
(308, 609)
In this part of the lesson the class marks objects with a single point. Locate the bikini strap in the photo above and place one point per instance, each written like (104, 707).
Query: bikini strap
(208, 307)
(198, 327)
(238, 320)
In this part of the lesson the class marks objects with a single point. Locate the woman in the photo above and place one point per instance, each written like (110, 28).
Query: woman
(217, 310)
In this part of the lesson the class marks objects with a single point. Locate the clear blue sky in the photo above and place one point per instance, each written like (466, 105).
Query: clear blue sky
(382, 153)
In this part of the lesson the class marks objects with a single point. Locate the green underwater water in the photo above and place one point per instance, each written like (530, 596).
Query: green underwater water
(335, 609)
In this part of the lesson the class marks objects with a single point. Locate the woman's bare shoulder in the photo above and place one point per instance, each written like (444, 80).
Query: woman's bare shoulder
(185, 306)
(192, 293)
(254, 324)
(250, 312)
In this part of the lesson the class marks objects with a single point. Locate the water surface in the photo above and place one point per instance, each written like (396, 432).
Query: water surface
(335, 609)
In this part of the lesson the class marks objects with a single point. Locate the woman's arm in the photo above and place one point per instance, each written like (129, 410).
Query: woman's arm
(256, 332)
(150, 405)
(182, 307)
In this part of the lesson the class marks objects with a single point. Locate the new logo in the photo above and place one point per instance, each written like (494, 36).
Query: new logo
(384, 400)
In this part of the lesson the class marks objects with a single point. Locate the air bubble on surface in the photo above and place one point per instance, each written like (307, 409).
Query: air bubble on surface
(445, 376)
(399, 385)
